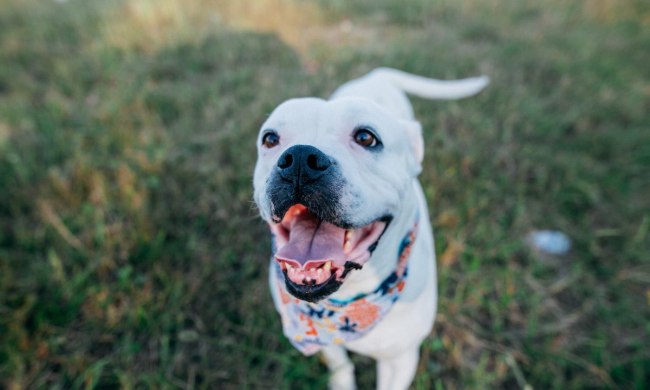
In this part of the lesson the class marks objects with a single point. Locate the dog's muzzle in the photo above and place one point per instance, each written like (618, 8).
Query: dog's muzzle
(315, 246)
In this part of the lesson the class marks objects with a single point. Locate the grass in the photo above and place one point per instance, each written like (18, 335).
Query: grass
(131, 254)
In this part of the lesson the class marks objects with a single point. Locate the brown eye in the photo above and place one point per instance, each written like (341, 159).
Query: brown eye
(365, 138)
(270, 139)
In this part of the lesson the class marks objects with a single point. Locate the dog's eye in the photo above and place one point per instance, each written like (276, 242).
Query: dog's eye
(270, 139)
(365, 138)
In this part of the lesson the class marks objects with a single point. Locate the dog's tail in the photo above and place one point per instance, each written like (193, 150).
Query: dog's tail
(431, 88)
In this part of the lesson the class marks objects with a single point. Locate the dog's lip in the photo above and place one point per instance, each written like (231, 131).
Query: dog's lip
(310, 251)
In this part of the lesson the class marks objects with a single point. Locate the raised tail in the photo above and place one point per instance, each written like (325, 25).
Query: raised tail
(431, 88)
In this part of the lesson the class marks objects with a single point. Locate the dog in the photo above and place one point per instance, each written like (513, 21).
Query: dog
(353, 264)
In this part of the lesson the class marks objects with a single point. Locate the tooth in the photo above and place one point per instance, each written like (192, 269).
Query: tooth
(327, 266)
(319, 271)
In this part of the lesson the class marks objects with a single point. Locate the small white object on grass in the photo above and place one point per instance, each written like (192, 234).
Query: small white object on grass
(552, 242)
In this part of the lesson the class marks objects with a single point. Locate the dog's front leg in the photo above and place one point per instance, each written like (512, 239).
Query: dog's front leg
(397, 372)
(340, 368)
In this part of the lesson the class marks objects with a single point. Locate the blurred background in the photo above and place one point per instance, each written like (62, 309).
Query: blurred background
(132, 256)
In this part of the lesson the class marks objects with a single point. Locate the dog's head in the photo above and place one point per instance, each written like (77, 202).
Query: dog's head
(330, 176)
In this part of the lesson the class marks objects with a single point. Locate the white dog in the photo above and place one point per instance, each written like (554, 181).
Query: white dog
(353, 265)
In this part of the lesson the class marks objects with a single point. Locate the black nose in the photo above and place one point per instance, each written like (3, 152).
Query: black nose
(303, 164)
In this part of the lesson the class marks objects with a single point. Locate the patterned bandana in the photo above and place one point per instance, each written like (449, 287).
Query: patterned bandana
(312, 326)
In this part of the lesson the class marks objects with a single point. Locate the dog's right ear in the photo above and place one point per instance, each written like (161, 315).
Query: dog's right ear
(413, 130)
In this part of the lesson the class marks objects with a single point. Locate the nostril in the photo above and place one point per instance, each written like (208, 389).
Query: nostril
(316, 163)
(286, 161)
(312, 161)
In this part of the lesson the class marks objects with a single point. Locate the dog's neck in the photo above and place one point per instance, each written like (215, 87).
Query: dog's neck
(384, 258)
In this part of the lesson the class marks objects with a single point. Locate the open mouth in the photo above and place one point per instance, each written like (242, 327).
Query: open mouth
(315, 256)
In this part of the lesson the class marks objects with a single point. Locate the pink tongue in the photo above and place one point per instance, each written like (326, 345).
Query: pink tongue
(312, 239)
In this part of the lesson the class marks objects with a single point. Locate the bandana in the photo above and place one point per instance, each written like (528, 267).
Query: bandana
(312, 326)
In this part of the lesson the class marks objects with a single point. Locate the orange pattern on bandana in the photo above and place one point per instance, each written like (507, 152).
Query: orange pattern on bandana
(362, 313)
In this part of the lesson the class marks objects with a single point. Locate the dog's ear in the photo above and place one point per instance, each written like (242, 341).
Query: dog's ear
(414, 132)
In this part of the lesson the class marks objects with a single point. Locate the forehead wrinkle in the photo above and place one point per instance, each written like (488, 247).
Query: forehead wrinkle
(331, 127)
(357, 114)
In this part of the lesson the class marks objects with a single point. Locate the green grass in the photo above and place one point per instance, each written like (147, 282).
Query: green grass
(130, 251)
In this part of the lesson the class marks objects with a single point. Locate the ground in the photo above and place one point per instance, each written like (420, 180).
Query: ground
(131, 254)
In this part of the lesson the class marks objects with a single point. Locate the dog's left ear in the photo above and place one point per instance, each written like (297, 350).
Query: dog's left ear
(414, 132)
